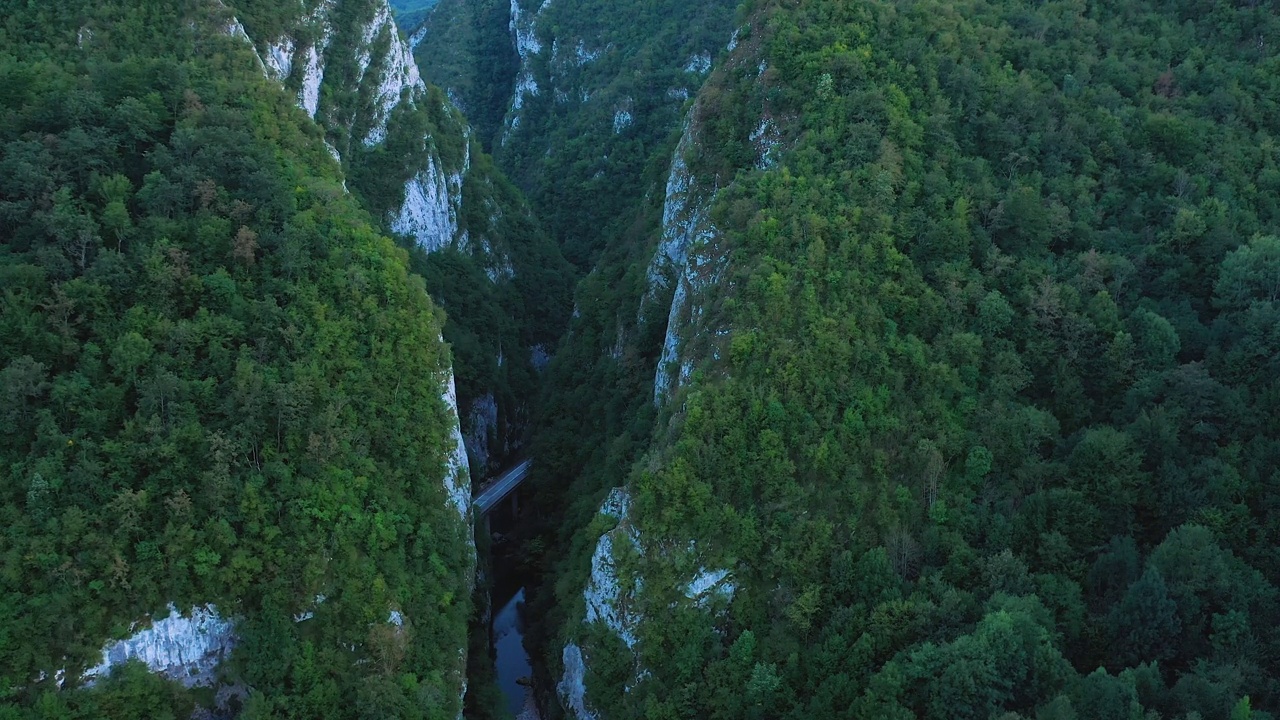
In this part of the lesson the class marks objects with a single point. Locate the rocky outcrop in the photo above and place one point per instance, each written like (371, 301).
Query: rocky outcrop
(607, 602)
(613, 602)
(387, 74)
(689, 258)
(483, 430)
(686, 224)
(429, 214)
(524, 32)
(572, 687)
(457, 477)
(398, 78)
(185, 648)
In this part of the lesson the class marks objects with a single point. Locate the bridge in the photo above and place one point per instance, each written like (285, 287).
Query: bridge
(506, 483)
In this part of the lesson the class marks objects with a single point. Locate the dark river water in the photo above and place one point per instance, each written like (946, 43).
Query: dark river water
(508, 642)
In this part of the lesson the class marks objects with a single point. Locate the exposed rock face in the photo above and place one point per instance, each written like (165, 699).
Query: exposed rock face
(540, 357)
(700, 64)
(279, 59)
(457, 478)
(312, 76)
(614, 604)
(690, 254)
(686, 224)
(428, 214)
(572, 686)
(607, 603)
(184, 648)
(622, 119)
(708, 583)
(386, 72)
(524, 30)
(399, 73)
(484, 424)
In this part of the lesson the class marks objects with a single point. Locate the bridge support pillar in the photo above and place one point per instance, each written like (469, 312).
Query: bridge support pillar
(515, 503)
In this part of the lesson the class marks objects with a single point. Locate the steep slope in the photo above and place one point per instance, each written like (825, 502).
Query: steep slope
(963, 396)
(411, 160)
(231, 442)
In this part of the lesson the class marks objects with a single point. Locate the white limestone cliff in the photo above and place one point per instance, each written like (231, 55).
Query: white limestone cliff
(432, 197)
(427, 214)
(613, 604)
(689, 255)
(523, 26)
(686, 224)
(312, 77)
(399, 72)
(279, 59)
(699, 64)
(606, 601)
(622, 119)
(457, 478)
(185, 648)
(572, 687)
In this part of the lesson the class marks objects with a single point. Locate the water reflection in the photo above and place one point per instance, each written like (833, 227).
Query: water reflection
(514, 670)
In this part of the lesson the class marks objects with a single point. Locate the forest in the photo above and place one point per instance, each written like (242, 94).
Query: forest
(983, 409)
(976, 405)
(220, 383)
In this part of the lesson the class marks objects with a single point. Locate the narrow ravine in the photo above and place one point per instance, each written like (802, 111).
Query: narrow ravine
(509, 621)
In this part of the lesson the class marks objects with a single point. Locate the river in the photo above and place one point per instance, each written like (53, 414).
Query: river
(512, 664)
(512, 661)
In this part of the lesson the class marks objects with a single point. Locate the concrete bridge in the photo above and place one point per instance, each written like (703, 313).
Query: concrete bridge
(506, 483)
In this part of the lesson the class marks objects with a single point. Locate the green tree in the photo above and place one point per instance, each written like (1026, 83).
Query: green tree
(1145, 625)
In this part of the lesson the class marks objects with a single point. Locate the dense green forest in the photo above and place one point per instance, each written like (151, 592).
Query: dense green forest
(983, 415)
(982, 367)
(220, 384)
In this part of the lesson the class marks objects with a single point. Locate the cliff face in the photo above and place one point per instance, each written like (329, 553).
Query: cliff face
(625, 567)
(586, 95)
(184, 648)
(410, 156)
(688, 236)
(353, 72)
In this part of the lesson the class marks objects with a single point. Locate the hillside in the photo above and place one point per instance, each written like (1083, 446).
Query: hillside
(962, 407)
(231, 439)
(893, 359)
(412, 160)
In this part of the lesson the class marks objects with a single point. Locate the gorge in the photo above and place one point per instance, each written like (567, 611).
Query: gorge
(599, 360)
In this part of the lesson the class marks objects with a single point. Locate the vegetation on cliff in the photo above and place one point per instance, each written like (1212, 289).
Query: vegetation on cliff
(219, 383)
(982, 408)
